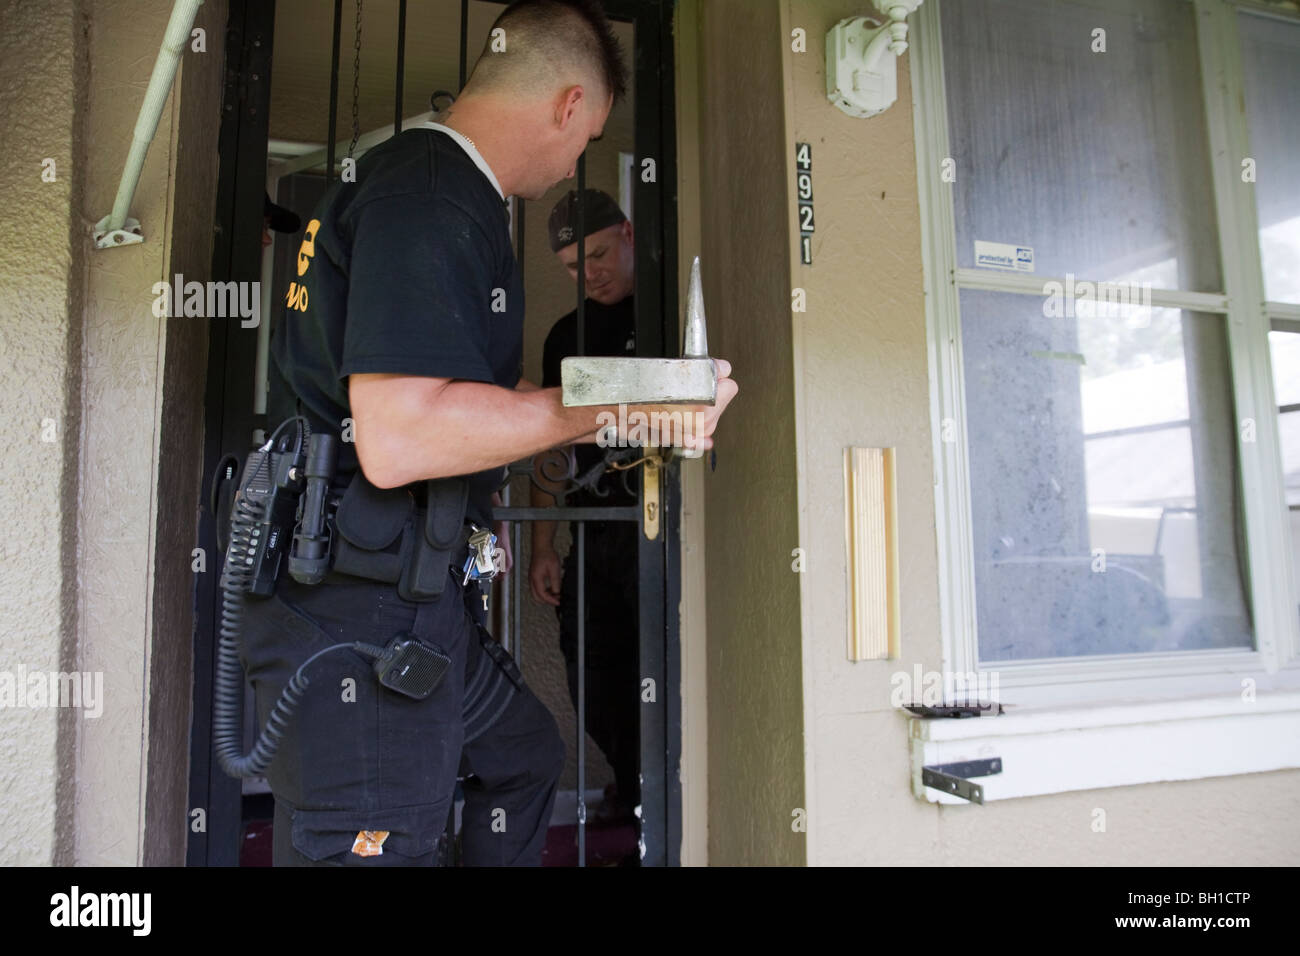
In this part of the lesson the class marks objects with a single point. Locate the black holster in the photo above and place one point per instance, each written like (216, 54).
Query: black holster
(379, 534)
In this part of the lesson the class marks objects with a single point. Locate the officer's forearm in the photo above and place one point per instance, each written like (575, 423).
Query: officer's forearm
(409, 428)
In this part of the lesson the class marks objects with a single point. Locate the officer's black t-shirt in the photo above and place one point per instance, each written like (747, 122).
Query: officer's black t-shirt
(408, 270)
(606, 330)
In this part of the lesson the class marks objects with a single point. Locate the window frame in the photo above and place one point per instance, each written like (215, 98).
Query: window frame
(1274, 664)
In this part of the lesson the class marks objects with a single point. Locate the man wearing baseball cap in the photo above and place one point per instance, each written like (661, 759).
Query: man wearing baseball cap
(609, 328)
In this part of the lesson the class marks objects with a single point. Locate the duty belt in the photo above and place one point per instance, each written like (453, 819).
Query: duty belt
(380, 534)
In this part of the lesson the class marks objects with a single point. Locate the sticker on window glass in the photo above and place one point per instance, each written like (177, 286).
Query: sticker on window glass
(1004, 255)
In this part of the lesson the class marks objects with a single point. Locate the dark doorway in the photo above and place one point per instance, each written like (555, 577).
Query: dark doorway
(321, 31)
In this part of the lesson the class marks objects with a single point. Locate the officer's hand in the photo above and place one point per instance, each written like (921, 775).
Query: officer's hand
(727, 390)
(698, 421)
(544, 576)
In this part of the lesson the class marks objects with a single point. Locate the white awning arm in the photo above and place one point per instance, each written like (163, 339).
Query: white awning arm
(116, 229)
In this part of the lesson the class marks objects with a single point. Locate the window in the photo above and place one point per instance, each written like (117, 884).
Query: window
(1112, 266)
(1111, 447)
(1270, 56)
(1270, 60)
(1284, 343)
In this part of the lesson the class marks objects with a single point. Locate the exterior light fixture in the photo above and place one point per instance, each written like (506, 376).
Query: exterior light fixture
(862, 58)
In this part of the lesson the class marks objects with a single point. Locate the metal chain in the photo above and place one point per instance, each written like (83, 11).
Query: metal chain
(356, 86)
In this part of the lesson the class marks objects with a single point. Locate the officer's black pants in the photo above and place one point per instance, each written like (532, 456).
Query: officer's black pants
(359, 756)
(613, 652)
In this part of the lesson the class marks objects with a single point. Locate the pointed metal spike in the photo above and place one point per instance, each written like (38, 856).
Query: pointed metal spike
(618, 380)
(695, 340)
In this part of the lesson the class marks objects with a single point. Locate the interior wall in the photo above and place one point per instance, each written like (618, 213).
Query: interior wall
(304, 43)
(43, 88)
(755, 692)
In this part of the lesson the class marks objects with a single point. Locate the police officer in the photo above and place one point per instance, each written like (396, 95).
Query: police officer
(402, 334)
(612, 616)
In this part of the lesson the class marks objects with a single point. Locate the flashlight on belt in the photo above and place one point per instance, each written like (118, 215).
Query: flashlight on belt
(309, 557)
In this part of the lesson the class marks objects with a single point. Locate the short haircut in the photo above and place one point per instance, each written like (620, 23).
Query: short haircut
(543, 35)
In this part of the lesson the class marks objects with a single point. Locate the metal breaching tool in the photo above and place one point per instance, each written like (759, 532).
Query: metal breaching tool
(619, 380)
(691, 379)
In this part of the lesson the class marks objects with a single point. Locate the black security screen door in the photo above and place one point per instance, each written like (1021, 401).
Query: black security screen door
(237, 358)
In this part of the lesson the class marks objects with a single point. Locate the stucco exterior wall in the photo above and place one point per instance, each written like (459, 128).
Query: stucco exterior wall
(95, 575)
(755, 688)
(861, 379)
(42, 93)
(860, 368)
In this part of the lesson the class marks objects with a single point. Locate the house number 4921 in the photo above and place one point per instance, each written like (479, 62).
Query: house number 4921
(804, 191)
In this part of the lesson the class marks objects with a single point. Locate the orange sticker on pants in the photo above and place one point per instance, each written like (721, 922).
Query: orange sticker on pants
(369, 842)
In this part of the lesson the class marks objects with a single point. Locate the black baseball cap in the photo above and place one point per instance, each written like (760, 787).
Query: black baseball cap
(282, 220)
(601, 212)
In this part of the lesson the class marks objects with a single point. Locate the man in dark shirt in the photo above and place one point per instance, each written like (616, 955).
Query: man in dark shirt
(420, 197)
(402, 335)
(612, 614)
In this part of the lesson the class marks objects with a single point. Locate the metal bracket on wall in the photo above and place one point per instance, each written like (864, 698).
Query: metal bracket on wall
(106, 238)
(952, 777)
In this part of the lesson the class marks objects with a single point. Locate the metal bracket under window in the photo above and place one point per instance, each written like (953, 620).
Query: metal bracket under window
(952, 777)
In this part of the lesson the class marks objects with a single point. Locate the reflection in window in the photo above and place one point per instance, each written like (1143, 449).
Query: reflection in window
(1104, 478)
(1099, 162)
(1271, 69)
(1285, 350)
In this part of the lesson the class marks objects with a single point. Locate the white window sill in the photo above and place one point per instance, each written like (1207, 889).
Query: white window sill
(1053, 750)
